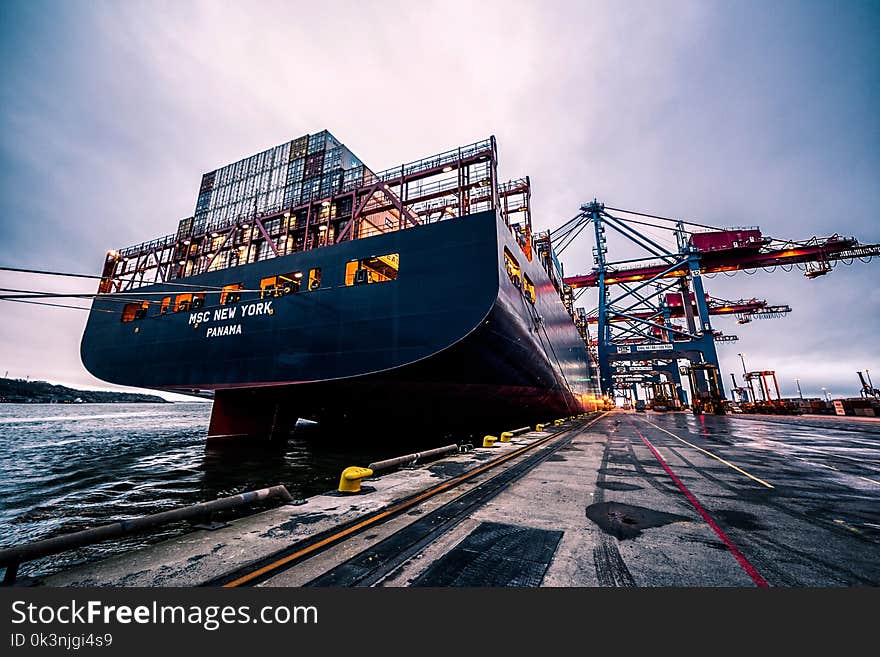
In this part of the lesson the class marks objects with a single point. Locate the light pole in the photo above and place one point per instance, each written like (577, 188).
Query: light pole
(798, 382)
(825, 393)
(747, 381)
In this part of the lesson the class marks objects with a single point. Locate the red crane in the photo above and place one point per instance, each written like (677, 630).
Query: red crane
(742, 308)
(740, 249)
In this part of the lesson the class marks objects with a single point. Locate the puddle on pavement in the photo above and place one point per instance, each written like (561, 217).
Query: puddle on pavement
(617, 485)
(626, 521)
(739, 520)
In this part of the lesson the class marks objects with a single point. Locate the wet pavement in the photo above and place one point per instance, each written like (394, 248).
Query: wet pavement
(838, 422)
(650, 499)
(628, 499)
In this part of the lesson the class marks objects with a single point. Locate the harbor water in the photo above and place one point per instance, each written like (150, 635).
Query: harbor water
(67, 467)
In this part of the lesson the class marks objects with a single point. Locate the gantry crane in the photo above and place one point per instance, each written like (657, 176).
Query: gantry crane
(741, 309)
(633, 324)
(868, 389)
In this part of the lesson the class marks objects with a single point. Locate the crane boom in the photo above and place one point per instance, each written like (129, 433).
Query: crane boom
(737, 258)
(745, 307)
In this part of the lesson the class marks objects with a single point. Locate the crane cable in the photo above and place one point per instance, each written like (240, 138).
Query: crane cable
(654, 216)
(59, 305)
(44, 272)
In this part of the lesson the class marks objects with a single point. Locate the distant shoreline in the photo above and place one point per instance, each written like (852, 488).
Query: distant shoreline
(19, 391)
(35, 402)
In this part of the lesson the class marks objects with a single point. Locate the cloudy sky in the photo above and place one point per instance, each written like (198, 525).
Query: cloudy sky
(728, 113)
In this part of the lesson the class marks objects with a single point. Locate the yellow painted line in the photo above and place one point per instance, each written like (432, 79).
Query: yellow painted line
(381, 515)
(714, 456)
(849, 527)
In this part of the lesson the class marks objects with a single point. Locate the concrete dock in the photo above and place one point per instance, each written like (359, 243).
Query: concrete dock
(625, 499)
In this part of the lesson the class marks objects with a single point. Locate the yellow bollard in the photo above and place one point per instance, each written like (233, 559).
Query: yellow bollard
(539, 427)
(557, 423)
(489, 441)
(350, 481)
(506, 436)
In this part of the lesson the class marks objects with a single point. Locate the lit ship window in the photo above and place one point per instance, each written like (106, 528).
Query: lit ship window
(314, 278)
(513, 269)
(528, 288)
(376, 269)
(133, 311)
(281, 285)
(230, 294)
(184, 302)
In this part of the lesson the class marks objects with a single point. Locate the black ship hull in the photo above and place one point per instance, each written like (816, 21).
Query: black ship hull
(452, 343)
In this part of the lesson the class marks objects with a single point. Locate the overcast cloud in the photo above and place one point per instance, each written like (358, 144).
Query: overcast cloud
(730, 113)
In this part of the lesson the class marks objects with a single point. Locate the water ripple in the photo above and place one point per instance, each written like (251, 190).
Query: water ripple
(83, 466)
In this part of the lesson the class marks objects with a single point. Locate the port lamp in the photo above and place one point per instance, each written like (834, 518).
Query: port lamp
(287, 215)
(298, 274)
(186, 242)
(325, 204)
(322, 228)
(447, 169)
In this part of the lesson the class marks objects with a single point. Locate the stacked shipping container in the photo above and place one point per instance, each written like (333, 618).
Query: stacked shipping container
(311, 167)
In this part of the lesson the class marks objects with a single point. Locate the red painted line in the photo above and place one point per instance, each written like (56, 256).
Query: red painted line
(751, 571)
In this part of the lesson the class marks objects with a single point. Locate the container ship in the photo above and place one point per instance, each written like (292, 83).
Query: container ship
(307, 286)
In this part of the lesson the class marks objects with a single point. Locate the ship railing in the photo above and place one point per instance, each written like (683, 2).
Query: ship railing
(158, 243)
(725, 229)
(515, 186)
(434, 161)
(12, 558)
